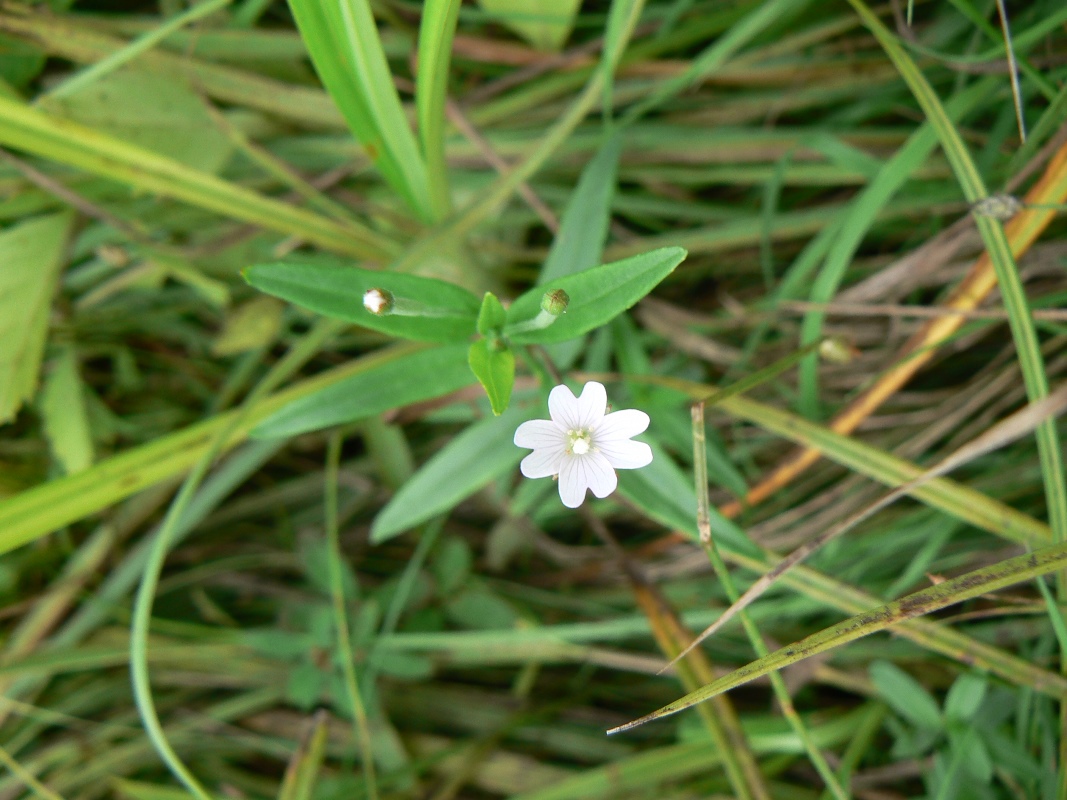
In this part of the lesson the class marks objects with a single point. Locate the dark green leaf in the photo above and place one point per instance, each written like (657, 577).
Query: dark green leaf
(494, 366)
(596, 296)
(408, 379)
(427, 310)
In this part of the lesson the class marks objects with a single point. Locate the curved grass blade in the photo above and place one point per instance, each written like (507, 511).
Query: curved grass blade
(964, 587)
(27, 129)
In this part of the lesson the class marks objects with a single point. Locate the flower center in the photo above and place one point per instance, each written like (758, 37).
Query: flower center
(581, 442)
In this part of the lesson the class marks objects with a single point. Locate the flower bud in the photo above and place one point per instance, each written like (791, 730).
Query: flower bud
(555, 302)
(997, 206)
(836, 350)
(378, 301)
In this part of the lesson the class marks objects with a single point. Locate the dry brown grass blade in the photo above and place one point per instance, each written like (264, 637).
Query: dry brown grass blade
(1022, 232)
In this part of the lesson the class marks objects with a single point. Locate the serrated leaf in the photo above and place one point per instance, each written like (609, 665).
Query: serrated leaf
(398, 382)
(66, 420)
(491, 316)
(494, 366)
(30, 260)
(596, 296)
(448, 313)
(481, 453)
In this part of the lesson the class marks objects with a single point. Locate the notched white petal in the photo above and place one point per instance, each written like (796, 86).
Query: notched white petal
(539, 433)
(542, 463)
(622, 425)
(563, 407)
(624, 454)
(573, 482)
(592, 404)
(601, 477)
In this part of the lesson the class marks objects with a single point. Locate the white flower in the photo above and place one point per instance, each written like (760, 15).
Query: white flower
(581, 444)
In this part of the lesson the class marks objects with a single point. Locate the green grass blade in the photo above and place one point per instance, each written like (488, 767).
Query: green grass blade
(65, 142)
(1031, 362)
(972, 584)
(342, 40)
(438, 26)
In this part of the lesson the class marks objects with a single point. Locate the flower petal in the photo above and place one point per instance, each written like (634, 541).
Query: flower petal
(563, 408)
(572, 482)
(579, 473)
(621, 425)
(591, 405)
(543, 462)
(625, 454)
(538, 433)
(602, 479)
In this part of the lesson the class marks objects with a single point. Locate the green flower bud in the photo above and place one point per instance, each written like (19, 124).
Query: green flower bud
(555, 302)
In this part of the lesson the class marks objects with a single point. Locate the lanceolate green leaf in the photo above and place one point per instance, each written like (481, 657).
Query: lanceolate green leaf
(342, 40)
(478, 455)
(596, 296)
(973, 584)
(427, 309)
(30, 262)
(427, 373)
(493, 364)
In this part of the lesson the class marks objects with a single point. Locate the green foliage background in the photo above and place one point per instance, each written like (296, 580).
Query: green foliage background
(260, 543)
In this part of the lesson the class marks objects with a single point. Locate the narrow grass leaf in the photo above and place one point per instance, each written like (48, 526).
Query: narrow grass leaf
(25, 128)
(422, 375)
(436, 31)
(484, 451)
(342, 40)
(956, 590)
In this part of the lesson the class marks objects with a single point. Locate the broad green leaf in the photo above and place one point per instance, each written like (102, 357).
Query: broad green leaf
(596, 296)
(481, 453)
(66, 421)
(152, 110)
(492, 316)
(408, 379)
(906, 696)
(30, 260)
(20, 61)
(426, 310)
(493, 364)
(545, 24)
